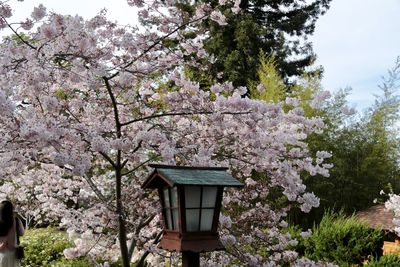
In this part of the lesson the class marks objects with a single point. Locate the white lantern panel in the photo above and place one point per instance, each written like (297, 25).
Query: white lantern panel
(169, 219)
(192, 220)
(209, 196)
(166, 198)
(175, 218)
(207, 216)
(192, 196)
(174, 197)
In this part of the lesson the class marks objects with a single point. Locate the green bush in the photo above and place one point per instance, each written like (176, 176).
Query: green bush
(81, 262)
(44, 247)
(385, 261)
(342, 240)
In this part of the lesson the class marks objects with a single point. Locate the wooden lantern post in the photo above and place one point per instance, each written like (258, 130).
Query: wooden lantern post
(191, 202)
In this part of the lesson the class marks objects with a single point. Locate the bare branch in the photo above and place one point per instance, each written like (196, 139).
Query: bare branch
(147, 252)
(72, 114)
(138, 166)
(142, 224)
(108, 159)
(18, 35)
(100, 195)
(172, 114)
(114, 103)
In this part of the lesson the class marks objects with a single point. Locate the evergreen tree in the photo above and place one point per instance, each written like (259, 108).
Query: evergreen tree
(279, 28)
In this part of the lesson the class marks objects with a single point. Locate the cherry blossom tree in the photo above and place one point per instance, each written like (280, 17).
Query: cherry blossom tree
(85, 105)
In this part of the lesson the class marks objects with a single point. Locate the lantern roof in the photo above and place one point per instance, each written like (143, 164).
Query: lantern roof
(185, 175)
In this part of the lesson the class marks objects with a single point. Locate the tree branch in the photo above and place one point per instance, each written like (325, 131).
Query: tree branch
(18, 35)
(138, 166)
(114, 103)
(172, 114)
(108, 159)
(100, 195)
(137, 230)
(147, 252)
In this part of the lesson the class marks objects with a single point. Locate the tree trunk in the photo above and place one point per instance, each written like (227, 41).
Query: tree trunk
(121, 219)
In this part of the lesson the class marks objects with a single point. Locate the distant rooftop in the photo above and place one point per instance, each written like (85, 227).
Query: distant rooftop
(377, 217)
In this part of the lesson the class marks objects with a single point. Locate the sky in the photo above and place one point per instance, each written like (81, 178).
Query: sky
(356, 41)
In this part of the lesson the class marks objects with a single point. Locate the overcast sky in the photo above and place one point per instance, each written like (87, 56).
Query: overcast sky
(356, 41)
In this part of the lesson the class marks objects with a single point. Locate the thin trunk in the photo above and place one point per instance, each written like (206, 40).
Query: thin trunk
(121, 220)
(118, 179)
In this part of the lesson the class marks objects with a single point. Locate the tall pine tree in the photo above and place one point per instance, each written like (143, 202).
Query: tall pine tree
(279, 28)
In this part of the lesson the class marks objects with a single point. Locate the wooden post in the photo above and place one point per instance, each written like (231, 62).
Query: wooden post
(190, 259)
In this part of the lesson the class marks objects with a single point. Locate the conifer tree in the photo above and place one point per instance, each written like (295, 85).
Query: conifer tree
(279, 28)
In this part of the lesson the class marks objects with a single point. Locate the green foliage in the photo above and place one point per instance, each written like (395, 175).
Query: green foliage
(275, 89)
(80, 262)
(45, 246)
(271, 80)
(305, 90)
(365, 152)
(342, 240)
(385, 261)
(20, 38)
(169, 43)
(61, 94)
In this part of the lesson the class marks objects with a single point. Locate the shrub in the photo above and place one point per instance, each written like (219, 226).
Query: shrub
(81, 262)
(342, 240)
(45, 246)
(385, 261)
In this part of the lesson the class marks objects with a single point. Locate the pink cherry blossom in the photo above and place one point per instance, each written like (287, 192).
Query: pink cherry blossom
(87, 105)
(218, 17)
(5, 11)
(38, 12)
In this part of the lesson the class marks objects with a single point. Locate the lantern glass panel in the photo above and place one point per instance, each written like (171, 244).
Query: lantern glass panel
(209, 196)
(170, 197)
(168, 219)
(207, 216)
(192, 220)
(200, 204)
(166, 198)
(192, 196)
(174, 197)
(175, 216)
